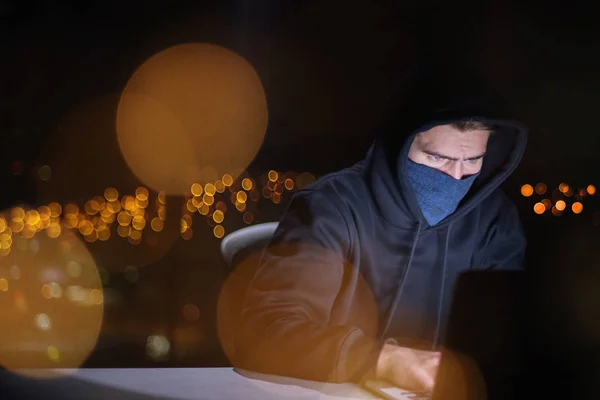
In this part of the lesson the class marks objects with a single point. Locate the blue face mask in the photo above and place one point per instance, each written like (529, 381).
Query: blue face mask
(438, 194)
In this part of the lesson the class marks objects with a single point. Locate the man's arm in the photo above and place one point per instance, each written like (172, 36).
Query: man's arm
(505, 241)
(284, 327)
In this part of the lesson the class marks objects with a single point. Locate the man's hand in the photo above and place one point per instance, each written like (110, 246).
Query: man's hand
(408, 368)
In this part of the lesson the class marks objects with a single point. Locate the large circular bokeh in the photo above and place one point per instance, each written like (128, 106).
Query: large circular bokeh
(51, 300)
(188, 109)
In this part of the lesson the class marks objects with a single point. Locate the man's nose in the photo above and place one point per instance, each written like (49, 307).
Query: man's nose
(456, 170)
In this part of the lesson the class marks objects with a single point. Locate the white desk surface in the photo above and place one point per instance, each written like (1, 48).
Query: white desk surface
(174, 383)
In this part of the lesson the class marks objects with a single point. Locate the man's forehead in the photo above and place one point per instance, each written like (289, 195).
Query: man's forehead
(435, 132)
(451, 146)
(447, 133)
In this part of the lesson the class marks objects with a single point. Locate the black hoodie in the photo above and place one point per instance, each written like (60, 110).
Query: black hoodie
(354, 264)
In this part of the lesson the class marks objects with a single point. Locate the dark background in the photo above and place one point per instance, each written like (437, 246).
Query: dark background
(329, 69)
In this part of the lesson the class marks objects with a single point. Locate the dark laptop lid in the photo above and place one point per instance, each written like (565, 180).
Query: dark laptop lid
(484, 346)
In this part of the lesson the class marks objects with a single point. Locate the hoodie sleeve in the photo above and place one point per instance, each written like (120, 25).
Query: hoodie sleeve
(284, 326)
(505, 240)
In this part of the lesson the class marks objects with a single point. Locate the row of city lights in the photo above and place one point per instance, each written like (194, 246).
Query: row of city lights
(132, 212)
(211, 200)
(557, 203)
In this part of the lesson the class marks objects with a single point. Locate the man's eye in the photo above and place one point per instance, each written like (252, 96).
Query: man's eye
(435, 158)
(474, 161)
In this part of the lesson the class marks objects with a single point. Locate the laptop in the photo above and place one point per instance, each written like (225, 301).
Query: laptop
(484, 346)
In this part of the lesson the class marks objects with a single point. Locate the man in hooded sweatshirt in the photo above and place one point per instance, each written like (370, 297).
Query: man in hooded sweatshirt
(357, 280)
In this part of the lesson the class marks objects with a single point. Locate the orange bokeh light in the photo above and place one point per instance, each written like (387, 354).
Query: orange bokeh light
(563, 187)
(289, 184)
(591, 189)
(218, 216)
(539, 208)
(219, 231)
(111, 194)
(220, 186)
(191, 312)
(577, 207)
(247, 184)
(541, 188)
(248, 217)
(227, 180)
(241, 196)
(547, 203)
(142, 194)
(197, 189)
(527, 190)
(273, 175)
(188, 108)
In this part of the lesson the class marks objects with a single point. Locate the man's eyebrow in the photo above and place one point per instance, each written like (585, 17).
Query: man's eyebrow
(476, 157)
(436, 154)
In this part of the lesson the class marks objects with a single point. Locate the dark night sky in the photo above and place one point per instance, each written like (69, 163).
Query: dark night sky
(328, 67)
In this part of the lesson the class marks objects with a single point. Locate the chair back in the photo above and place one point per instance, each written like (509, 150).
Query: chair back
(244, 241)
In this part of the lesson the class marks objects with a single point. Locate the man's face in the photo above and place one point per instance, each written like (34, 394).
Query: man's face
(455, 153)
